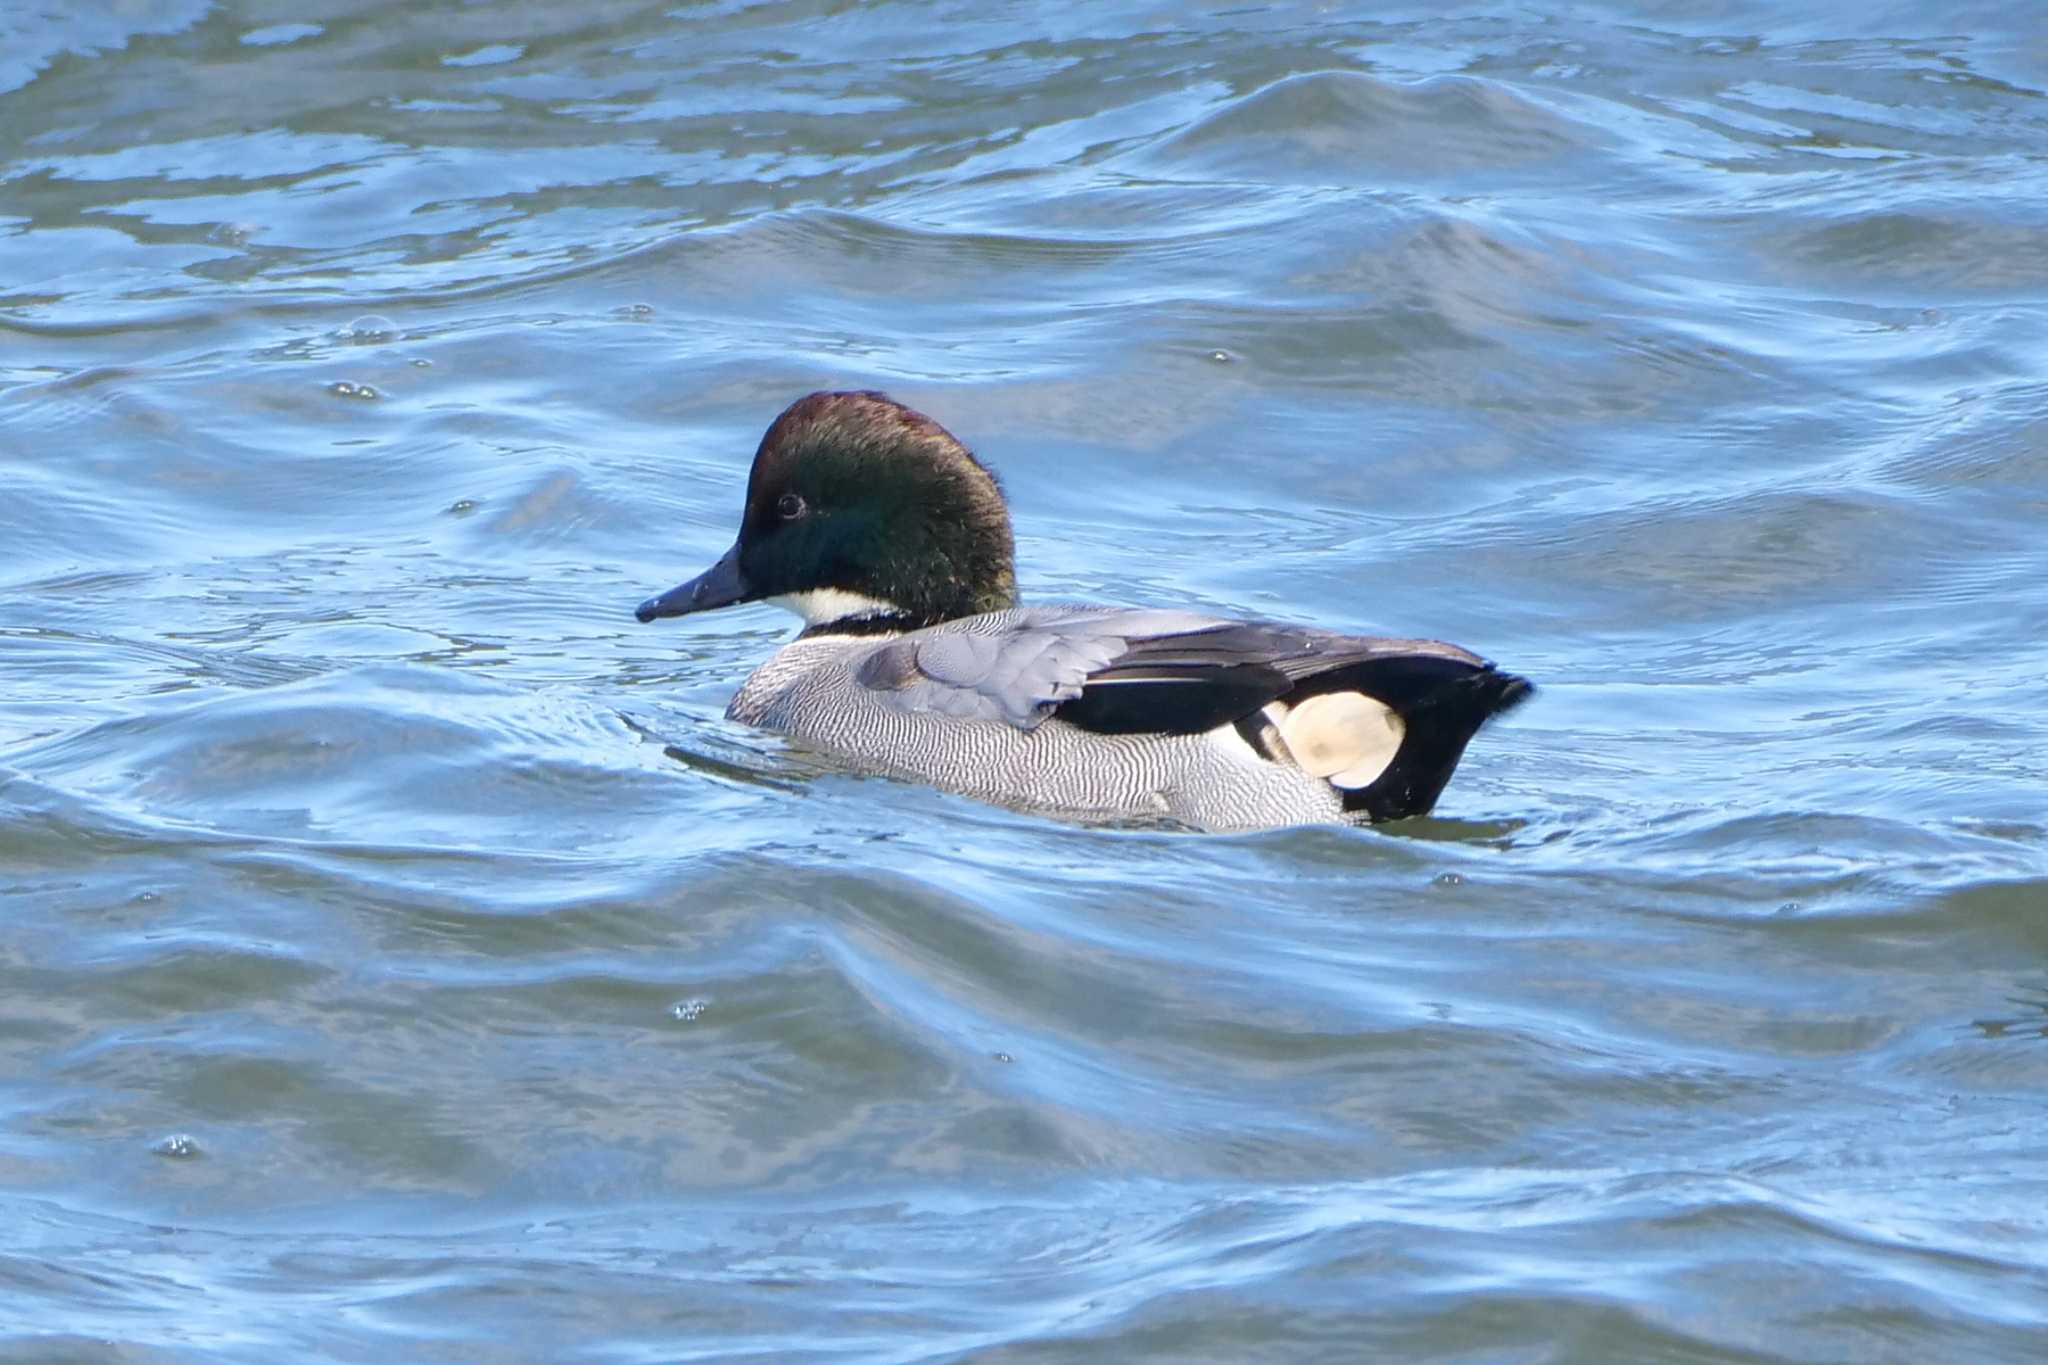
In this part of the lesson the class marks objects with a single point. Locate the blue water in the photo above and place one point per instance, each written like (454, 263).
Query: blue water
(401, 958)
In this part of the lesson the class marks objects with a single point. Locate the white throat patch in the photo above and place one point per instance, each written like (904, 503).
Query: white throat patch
(821, 606)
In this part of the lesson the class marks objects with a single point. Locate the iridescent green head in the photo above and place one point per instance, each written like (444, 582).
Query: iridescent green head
(860, 509)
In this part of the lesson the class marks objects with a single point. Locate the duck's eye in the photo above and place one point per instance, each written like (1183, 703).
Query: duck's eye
(789, 507)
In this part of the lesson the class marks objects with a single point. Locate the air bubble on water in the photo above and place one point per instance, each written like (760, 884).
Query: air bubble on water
(370, 327)
(493, 55)
(1002, 1056)
(421, 363)
(277, 35)
(462, 507)
(688, 1011)
(178, 1146)
(342, 388)
(231, 234)
(1221, 357)
(1447, 879)
(635, 310)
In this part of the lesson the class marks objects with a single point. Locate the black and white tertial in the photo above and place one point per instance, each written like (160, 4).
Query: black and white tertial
(892, 542)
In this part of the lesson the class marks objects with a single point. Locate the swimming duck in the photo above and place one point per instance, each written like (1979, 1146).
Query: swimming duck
(892, 542)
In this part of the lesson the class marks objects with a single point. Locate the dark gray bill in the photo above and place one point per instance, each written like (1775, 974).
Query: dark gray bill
(721, 585)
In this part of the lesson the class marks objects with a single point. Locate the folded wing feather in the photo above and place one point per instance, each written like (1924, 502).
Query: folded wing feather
(1148, 671)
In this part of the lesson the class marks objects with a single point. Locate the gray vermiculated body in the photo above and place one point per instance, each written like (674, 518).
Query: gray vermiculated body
(809, 691)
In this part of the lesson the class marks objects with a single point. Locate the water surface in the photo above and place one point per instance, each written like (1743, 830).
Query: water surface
(402, 958)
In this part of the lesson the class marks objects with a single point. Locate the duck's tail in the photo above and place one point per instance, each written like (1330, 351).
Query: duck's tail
(1436, 715)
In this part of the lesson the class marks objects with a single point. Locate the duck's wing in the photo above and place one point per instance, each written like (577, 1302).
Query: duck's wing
(1196, 680)
(1142, 671)
(1017, 667)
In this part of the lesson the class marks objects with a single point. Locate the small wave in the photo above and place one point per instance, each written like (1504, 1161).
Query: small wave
(1344, 127)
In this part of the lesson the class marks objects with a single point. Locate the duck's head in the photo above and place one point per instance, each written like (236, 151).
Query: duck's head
(859, 509)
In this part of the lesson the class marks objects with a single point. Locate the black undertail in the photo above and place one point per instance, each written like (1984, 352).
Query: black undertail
(1439, 724)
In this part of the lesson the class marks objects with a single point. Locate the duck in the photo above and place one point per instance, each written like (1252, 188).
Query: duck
(892, 542)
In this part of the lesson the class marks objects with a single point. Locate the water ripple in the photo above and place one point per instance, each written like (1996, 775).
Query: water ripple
(396, 931)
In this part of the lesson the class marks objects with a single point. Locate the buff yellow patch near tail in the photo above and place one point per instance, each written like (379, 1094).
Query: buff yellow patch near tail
(1346, 737)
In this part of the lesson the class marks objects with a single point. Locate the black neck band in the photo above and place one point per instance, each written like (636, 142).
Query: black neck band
(881, 623)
